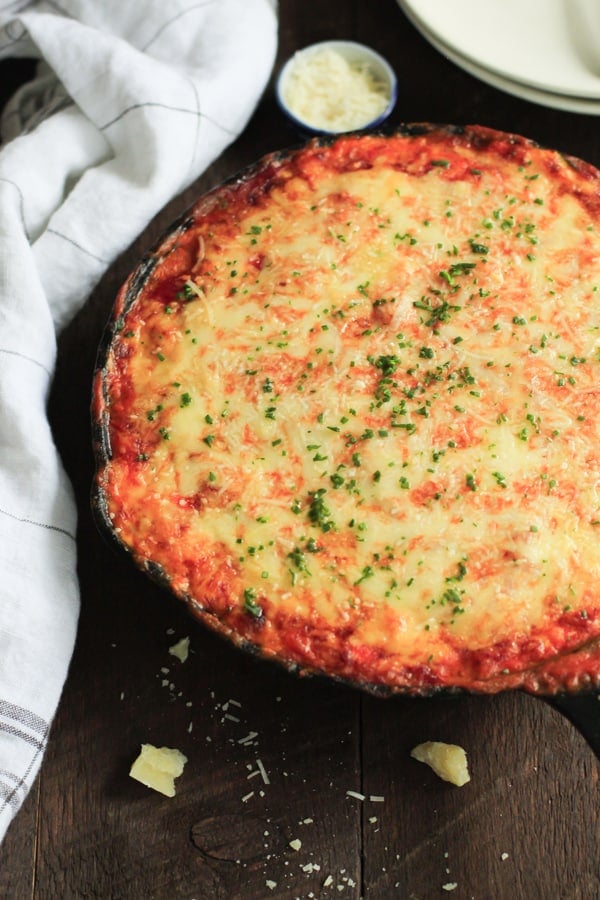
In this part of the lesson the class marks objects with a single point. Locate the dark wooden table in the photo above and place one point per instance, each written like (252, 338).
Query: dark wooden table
(527, 825)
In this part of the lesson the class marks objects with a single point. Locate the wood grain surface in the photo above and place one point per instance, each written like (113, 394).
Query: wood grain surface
(262, 809)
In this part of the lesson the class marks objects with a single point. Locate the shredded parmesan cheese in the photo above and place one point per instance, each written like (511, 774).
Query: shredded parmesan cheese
(325, 91)
(355, 795)
(262, 771)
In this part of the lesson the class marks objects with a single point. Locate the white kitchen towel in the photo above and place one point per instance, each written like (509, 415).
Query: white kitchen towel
(133, 100)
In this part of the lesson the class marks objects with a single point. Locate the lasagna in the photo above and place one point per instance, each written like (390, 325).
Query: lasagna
(346, 411)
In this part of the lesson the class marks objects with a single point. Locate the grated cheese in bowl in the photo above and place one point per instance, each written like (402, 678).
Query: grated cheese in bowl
(337, 87)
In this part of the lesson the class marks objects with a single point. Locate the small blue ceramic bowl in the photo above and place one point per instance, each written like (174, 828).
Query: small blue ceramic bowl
(320, 96)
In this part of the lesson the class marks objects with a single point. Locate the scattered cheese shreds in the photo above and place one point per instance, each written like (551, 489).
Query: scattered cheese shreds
(158, 767)
(449, 761)
(296, 844)
(262, 771)
(450, 886)
(326, 91)
(181, 649)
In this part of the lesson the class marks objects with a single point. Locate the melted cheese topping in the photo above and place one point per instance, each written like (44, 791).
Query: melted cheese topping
(352, 411)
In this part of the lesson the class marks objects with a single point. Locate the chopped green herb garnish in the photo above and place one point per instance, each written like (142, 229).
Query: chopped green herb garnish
(500, 479)
(476, 247)
(318, 511)
(250, 604)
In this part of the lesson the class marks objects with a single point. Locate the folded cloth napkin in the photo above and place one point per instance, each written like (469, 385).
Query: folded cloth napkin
(131, 103)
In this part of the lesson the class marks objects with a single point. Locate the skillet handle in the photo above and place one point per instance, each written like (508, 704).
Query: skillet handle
(583, 711)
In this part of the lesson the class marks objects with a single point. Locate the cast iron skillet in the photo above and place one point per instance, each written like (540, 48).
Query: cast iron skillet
(581, 708)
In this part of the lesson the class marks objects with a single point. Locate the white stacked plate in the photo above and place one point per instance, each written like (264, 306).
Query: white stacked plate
(545, 51)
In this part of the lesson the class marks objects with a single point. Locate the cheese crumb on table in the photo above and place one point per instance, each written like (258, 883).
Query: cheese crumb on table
(158, 767)
(449, 761)
(181, 649)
